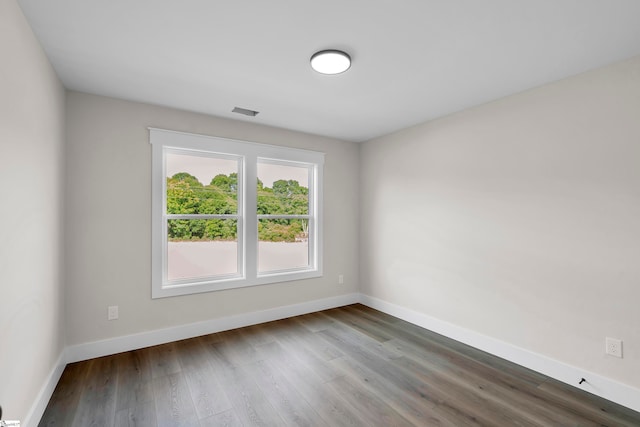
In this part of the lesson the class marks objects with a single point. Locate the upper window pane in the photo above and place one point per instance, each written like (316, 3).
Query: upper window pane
(198, 184)
(283, 189)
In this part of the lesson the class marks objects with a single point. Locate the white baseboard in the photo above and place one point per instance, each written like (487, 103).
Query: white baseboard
(601, 386)
(42, 400)
(78, 352)
(607, 388)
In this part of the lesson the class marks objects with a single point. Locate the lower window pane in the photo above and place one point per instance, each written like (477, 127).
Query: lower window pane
(201, 248)
(283, 244)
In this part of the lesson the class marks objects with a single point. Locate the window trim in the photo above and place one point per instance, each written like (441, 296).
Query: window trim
(249, 153)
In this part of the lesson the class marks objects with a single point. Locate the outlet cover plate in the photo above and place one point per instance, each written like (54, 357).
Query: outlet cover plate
(112, 312)
(613, 347)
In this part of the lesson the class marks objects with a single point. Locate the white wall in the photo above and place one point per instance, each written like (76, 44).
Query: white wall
(31, 194)
(518, 219)
(109, 220)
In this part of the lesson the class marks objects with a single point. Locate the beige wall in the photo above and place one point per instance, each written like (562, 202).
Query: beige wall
(109, 220)
(31, 194)
(519, 219)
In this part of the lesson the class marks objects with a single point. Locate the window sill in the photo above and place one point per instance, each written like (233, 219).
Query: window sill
(232, 283)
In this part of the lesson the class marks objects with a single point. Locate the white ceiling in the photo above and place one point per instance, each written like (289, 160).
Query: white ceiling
(413, 60)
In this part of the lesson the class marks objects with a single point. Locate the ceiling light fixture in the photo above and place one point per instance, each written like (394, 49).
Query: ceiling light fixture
(330, 61)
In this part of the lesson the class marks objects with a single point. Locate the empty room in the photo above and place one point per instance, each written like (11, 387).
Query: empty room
(361, 213)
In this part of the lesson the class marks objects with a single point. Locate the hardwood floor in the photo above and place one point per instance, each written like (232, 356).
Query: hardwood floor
(351, 366)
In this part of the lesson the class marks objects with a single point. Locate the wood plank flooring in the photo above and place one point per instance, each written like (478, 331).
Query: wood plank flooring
(351, 366)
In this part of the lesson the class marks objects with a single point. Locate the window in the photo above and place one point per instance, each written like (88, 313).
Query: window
(228, 214)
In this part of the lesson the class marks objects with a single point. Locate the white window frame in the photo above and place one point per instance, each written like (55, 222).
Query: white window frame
(248, 155)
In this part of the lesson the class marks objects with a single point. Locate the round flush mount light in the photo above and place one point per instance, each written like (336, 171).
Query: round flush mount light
(330, 61)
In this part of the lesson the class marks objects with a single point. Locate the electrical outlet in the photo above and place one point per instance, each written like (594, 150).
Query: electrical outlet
(340, 279)
(112, 312)
(613, 347)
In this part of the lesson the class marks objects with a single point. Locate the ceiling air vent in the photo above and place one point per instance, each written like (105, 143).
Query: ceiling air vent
(244, 111)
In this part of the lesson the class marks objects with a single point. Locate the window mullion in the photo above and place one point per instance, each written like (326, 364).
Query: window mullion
(250, 217)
